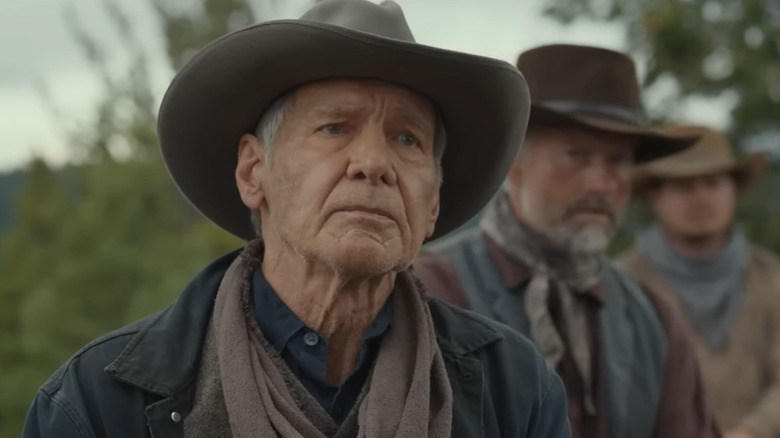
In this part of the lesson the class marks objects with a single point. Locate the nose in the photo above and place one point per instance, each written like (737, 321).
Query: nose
(605, 177)
(701, 190)
(370, 157)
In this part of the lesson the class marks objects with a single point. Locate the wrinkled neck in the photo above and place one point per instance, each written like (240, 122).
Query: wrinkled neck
(340, 306)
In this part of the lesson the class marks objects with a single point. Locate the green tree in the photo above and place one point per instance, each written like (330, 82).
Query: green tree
(24, 258)
(111, 239)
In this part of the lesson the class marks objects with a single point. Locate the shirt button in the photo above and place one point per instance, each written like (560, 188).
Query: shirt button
(175, 417)
(311, 339)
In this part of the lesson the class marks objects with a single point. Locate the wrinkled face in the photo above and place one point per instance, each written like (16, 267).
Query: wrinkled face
(352, 181)
(572, 183)
(695, 207)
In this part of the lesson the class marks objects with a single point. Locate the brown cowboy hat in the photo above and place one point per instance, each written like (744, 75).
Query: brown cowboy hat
(712, 153)
(221, 93)
(594, 87)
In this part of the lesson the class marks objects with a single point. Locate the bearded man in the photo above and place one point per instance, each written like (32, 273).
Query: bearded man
(536, 260)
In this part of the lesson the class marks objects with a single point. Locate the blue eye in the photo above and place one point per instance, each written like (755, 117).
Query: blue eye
(408, 140)
(333, 128)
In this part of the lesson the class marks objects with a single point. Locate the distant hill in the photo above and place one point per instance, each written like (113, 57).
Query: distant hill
(10, 185)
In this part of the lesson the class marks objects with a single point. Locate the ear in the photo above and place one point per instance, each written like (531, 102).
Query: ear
(251, 170)
(516, 171)
(434, 215)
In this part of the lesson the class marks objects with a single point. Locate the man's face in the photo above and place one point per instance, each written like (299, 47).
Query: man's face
(695, 207)
(572, 183)
(352, 181)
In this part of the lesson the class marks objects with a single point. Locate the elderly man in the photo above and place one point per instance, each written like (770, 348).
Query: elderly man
(318, 329)
(535, 262)
(727, 289)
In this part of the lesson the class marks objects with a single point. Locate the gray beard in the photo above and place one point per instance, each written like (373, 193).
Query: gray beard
(587, 240)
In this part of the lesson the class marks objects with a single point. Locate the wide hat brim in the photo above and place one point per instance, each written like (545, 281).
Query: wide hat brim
(747, 170)
(652, 144)
(223, 90)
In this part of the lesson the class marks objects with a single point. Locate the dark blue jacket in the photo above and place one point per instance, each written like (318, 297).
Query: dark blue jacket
(139, 381)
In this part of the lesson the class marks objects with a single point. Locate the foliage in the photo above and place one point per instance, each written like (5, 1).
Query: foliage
(10, 185)
(115, 240)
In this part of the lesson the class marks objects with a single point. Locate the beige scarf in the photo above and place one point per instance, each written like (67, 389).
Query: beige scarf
(409, 391)
(553, 271)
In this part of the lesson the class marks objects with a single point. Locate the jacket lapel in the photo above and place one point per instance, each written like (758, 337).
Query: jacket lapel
(460, 334)
(163, 357)
(165, 417)
(465, 376)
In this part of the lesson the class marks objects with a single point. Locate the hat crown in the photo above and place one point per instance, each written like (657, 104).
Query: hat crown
(385, 19)
(711, 146)
(589, 76)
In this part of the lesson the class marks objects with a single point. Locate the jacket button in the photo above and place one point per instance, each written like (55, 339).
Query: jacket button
(311, 339)
(175, 417)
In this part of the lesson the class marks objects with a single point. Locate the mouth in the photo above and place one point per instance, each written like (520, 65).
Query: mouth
(367, 211)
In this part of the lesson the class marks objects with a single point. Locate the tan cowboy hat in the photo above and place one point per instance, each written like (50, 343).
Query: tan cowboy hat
(712, 153)
(221, 93)
(594, 87)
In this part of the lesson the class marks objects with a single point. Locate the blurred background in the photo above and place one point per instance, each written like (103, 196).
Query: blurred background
(94, 235)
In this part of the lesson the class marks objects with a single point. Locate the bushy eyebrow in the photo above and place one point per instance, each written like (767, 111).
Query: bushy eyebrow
(415, 119)
(337, 112)
(334, 112)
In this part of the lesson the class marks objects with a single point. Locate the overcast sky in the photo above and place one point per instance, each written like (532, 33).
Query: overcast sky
(36, 48)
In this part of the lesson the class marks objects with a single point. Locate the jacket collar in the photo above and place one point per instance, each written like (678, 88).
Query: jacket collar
(458, 331)
(163, 357)
(461, 332)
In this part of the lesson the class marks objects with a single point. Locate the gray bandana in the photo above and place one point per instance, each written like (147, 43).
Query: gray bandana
(709, 290)
(554, 271)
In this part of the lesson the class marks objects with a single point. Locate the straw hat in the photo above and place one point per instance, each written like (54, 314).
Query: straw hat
(712, 153)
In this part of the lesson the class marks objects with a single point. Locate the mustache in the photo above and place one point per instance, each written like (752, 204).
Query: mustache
(593, 204)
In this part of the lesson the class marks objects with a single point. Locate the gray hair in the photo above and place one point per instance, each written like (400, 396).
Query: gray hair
(271, 121)
(273, 117)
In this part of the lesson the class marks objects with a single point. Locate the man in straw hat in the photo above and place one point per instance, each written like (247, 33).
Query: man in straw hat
(331, 131)
(536, 262)
(727, 289)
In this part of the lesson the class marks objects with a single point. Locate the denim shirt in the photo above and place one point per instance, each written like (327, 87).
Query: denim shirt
(305, 351)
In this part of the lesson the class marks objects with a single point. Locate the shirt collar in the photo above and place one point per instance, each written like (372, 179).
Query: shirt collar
(278, 322)
(382, 323)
